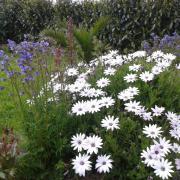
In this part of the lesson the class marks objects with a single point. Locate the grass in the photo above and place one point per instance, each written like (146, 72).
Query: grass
(8, 109)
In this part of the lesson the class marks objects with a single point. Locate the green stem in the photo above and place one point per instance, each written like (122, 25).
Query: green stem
(19, 97)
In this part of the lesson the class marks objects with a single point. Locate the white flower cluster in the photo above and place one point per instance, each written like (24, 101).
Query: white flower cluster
(155, 155)
(91, 106)
(91, 145)
(94, 97)
(128, 93)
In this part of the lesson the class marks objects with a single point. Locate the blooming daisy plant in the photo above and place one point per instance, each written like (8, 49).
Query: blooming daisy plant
(117, 115)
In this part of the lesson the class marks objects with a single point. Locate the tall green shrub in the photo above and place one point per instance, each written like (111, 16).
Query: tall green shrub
(24, 17)
(131, 21)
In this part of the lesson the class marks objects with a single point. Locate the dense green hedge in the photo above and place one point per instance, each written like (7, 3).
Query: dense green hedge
(19, 17)
(131, 21)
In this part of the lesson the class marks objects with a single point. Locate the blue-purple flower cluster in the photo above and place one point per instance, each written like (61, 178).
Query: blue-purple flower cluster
(27, 53)
(164, 43)
(4, 63)
(28, 46)
(4, 59)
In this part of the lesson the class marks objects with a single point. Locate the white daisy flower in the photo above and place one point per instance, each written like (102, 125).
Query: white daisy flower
(157, 153)
(178, 66)
(82, 76)
(135, 67)
(133, 90)
(177, 162)
(71, 72)
(125, 95)
(86, 92)
(156, 70)
(103, 163)
(138, 54)
(80, 64)
(132, 106)
(152, 131)
(92, 144)
(175, 124)
(78, 142)
(128, 93)
(147, 157)
(106, 102)
(146, 76)
(157, 54)
(109, 71)
(157, 111)
(141, 111)
(81, 164)
(110, 123)
(130, 78)
(172, 116)
(93, 106)
(170, 56)
(163, 144)
(103, 82)
(76, 87)
(176, 148)
(98, 92)
(79, 108)
(175, 133)
(147, 116)
(91, 92)
(163, 169)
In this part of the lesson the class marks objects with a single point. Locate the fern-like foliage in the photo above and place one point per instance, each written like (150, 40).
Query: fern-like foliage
(85, 38)
(99, 25)
(58, 36)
